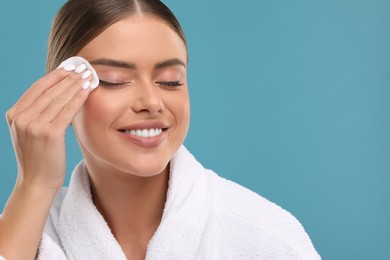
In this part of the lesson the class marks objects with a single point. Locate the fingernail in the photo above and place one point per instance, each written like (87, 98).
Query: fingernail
(80, 68)
(86, 74)
(86, 85)
(70, 67)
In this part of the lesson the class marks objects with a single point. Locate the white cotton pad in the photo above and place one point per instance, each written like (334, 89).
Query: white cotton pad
(78, 61)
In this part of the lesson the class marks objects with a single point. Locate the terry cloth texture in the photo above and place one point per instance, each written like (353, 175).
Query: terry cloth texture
(205, 217)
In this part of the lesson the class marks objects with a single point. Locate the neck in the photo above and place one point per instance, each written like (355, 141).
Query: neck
(131, 205)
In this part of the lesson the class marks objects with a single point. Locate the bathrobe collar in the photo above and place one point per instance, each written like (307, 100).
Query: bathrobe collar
(85, 234)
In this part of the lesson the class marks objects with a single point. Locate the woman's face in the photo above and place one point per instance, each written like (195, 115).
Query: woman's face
(139, 115)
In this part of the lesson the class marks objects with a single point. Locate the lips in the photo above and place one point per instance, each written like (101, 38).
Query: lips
(145, 134)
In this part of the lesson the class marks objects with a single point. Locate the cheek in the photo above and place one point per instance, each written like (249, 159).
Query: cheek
(97, 106)
(180, 107)
(96, 114)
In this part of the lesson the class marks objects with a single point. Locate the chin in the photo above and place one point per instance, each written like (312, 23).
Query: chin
(145, 169)
(144, 164)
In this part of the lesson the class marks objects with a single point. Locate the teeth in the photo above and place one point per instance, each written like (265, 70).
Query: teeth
(145, 132)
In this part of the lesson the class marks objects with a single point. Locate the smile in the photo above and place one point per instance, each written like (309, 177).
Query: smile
(146, 133)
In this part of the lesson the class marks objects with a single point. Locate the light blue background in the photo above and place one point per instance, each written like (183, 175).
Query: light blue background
(289, 98)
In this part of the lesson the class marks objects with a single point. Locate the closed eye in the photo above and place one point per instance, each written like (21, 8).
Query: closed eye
(112, 84)
(163, 83)
(170, 83)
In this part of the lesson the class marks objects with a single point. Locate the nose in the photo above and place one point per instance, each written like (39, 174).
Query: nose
(147, 99)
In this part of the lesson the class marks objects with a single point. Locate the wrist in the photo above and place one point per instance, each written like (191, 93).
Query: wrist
(36, 186)
(35, 190)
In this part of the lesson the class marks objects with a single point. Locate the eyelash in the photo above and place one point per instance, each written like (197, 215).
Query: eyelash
(110, 84)
(170, 83)
(164, 83)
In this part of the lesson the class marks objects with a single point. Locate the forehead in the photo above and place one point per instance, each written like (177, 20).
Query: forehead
(136, 38)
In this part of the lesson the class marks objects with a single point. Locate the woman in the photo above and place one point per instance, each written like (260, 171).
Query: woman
(138, 193)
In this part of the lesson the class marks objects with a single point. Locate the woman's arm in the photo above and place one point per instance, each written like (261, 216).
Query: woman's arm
(23, 220)
(38, 123)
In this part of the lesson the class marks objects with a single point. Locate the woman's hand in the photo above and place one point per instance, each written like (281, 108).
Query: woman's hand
(38, 123)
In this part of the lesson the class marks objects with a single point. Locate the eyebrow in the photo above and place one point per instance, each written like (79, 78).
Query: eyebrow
(114, 63)
(170, 62)
(132, 66)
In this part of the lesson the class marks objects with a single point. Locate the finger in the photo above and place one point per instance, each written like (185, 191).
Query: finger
(39, 87)
(51, 95)
(58, 103)
(34, 92)
(66, 115)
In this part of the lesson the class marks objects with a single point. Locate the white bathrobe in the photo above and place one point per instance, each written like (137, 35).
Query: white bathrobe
(205, 217)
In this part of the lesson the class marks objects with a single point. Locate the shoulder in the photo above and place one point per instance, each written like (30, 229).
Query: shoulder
(258, 223)
(239, 202)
